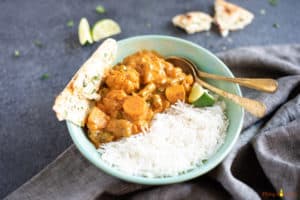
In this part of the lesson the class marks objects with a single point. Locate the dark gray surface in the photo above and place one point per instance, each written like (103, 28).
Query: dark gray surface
(30, 136)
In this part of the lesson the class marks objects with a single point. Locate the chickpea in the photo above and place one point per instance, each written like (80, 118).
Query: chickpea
(147, 90)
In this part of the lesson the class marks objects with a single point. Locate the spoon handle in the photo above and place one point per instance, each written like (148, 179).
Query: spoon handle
(261, 84)
(256, 108)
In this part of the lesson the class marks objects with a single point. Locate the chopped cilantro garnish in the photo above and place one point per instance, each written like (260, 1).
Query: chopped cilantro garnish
(70, 23)
(38, 43)
(273, 2)
(100, 9)
(45, 76)
(95, 78)
(17, 53)
(276, 25)
(160, 90)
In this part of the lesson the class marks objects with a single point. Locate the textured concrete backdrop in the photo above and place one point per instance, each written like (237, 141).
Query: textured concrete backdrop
(30, 135)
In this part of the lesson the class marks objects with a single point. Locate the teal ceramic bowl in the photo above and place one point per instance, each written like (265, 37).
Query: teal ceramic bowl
(207, 62)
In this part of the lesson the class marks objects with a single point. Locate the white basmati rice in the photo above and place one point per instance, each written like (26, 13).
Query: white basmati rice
(179, 140)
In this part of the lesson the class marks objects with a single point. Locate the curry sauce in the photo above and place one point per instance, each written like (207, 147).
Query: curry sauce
(132, 92)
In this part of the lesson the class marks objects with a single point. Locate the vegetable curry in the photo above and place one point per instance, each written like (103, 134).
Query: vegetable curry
(132, 92)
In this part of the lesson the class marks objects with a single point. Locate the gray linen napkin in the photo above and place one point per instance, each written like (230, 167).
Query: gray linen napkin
(265, 160)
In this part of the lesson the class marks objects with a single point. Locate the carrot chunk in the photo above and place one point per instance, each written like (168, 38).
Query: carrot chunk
(135, 106)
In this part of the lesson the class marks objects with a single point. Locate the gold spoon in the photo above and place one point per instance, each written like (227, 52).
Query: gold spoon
(254, 107)
(261, 84)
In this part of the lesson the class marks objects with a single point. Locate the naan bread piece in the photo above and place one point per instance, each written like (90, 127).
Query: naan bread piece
(230, 17)
(76, 100)
(193, 22)
(69, 106)
(88, 79)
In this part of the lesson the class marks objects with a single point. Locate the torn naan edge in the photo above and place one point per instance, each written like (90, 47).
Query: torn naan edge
(193, 22)
(76, 100)
(71, 107)
(230, 17)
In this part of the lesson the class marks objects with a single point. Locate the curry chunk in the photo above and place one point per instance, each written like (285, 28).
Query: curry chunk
(123, 78)
(100, 137)
(97, 120)
(175, 93)
(135, 107)
(147, 90)
(120, 127)
(112, 102)
(157, 103)
(150, 65)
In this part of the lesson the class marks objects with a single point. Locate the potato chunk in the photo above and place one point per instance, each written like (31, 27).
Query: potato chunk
(175, 93)
(113, 101)
(120, 127)
(97, 120)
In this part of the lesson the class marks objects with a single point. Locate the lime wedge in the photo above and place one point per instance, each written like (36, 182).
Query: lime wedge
(84, 32)
(195, 93)
(105, 28)
(205, 100)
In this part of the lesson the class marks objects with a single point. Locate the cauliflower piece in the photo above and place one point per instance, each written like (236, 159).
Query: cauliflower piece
(123, 78)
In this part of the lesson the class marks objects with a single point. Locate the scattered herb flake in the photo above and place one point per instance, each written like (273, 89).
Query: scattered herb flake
(16, 53)
(38, 43)
(273, 2)
(262, 11)
(100, 9)
(95, 78)
(45, 76)
(70, 23)
(160, 90)
(276, 25)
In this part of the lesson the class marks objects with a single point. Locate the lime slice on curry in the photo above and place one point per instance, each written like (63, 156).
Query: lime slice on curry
(200, 97)
(206, 99)
(105, 28)
(195, 93)
(84, 32)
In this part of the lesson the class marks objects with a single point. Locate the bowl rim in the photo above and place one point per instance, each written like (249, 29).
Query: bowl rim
(164, 180)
